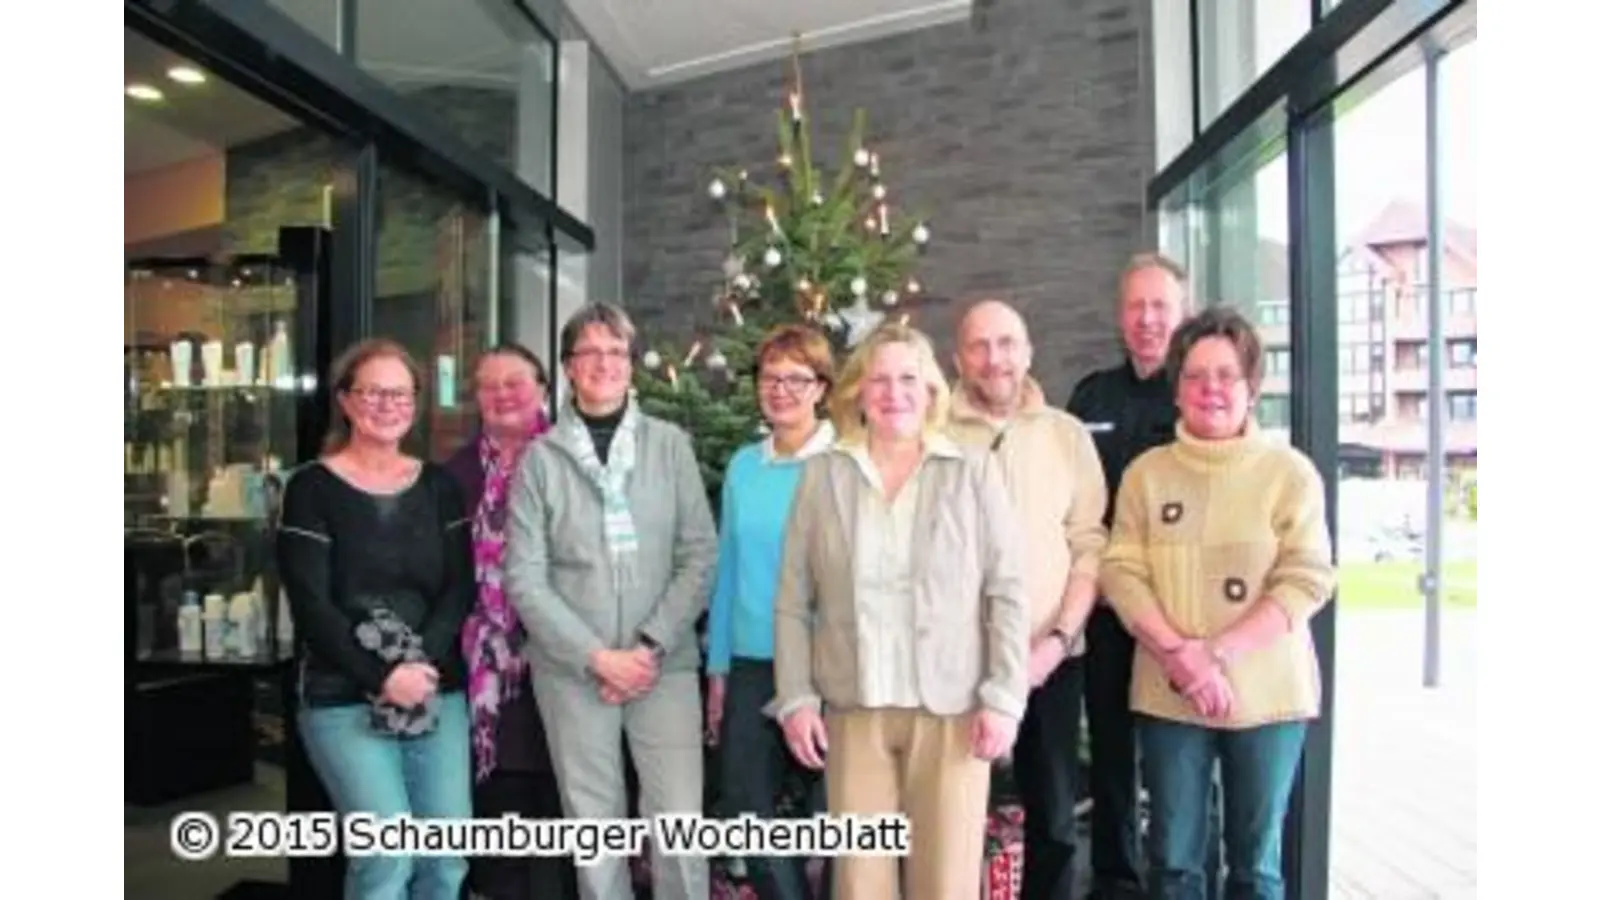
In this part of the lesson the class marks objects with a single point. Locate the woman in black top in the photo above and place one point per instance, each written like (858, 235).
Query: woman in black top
(375, 554)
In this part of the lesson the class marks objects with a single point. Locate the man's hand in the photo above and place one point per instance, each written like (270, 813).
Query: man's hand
(807, 737)
(1043, 659)
(993, 733)
(716, 696)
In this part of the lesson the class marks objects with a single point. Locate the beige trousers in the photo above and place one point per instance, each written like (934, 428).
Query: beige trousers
(910, 761)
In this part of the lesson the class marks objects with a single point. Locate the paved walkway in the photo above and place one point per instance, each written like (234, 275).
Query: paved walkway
(1405, 761)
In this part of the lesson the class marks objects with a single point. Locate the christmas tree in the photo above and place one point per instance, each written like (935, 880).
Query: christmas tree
(806, 244)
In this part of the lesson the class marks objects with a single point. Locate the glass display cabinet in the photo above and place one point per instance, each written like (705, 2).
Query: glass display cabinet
(221, 401)
(211, 402)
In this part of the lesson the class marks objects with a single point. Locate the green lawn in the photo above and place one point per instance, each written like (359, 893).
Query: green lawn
(1393, 585)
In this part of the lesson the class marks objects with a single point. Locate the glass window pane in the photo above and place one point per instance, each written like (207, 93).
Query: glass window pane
(318, 17)
(482, 69)
(432, 296)
(1173, 78)
(1239, 40)
(1242, 260)
(1380, 209)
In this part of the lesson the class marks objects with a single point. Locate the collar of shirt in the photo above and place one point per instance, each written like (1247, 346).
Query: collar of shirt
(820, 440)
(934, 446)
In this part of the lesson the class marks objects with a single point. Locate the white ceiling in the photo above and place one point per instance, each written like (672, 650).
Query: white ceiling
(658, 42)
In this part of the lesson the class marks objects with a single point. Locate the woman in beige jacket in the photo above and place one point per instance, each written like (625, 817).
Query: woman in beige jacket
(901, 635)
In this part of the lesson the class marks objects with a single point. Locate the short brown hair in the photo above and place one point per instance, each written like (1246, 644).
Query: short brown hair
(797, 343)
(607, 315)
(1217, 321)
(345, 370)
(519, 351)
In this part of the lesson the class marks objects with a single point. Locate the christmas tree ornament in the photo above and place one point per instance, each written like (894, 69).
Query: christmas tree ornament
(913, 287)
(920, 234)
(717, 189)
(788, 260)
(859, 320)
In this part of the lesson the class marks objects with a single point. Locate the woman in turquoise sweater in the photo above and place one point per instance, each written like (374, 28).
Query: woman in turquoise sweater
(794, 368)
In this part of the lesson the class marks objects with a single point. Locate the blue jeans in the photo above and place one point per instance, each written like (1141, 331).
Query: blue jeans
(366, 771)
(1258, 769)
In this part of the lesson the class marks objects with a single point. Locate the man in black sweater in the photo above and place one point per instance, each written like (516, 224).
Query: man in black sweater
(1129, 409)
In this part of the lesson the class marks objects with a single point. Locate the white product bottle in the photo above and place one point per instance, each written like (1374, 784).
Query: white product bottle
(282, 364)
(215, 619)
(189, 628)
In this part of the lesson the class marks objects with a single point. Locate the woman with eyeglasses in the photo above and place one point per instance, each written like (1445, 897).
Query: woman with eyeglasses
(609, 553)
(375, 553)
(794, 366)
(1219, 557)
(510, 759)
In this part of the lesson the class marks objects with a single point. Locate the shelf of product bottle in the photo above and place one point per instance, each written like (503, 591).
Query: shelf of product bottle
(264, 659)
(229, 632)
(285, 385)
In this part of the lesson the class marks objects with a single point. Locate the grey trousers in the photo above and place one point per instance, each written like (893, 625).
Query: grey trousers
(663, 731)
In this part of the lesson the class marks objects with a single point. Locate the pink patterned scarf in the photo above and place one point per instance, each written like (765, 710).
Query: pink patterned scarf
(492, 637)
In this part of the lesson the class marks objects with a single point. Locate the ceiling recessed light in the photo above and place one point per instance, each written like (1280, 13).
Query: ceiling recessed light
(143, 92)
(186, 75)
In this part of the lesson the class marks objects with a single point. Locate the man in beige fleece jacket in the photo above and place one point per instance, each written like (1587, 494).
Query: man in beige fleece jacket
(1055, 479)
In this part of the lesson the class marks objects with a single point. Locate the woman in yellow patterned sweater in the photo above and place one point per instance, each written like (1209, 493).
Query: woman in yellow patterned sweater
(1219, 557)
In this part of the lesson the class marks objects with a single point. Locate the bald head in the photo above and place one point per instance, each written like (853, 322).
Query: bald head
(993, 356)
(987, 315)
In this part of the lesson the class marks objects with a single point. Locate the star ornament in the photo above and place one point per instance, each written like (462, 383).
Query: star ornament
(859, 320)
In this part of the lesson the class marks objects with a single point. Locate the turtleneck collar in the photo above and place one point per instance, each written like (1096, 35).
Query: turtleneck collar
(1218, 453)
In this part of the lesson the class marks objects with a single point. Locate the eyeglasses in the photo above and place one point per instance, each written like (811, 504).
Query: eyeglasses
(1225, 377)
(615, 354)
(376, 397)
(792, 385)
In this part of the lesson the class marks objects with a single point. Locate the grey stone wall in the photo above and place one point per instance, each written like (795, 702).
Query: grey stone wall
(1028, 138)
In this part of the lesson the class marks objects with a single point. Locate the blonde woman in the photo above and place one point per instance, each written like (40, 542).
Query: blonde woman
(901, 628)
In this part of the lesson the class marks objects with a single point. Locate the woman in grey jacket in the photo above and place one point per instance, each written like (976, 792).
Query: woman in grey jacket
(610, 546)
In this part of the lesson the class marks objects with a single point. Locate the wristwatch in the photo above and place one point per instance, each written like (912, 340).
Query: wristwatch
(650, 644)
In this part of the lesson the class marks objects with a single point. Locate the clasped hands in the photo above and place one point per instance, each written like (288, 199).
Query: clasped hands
(1196, 672)
(624, 675)
(409, 685)
(993, 734)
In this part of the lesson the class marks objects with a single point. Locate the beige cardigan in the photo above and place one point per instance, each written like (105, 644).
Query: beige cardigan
(1058, 487)
(971, 613)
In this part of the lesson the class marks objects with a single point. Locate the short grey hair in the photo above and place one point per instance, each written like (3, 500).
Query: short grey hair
(607, 315)
(1148, 260)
